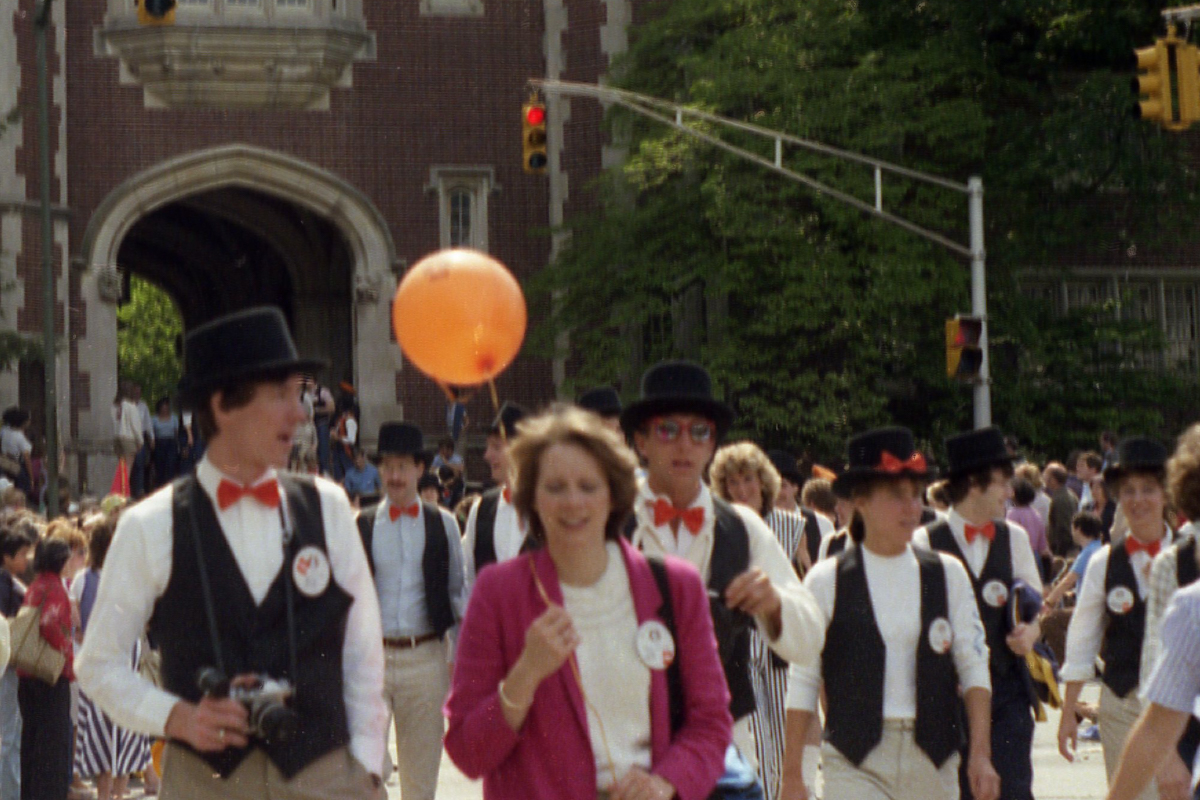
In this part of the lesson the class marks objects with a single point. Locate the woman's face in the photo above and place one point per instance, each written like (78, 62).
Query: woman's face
(744, 487)
(1099, 493)
(891, 511)
(572, 498)
(1142, 499)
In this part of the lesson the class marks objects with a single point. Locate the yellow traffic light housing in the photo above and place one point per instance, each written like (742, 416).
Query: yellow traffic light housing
(1168, 83)
(533, 138)
(1187, 81)
(156, 12)
(964, 355)
(1153, 83)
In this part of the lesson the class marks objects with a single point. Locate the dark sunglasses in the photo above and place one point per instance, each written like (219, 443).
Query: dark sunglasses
(668, 430)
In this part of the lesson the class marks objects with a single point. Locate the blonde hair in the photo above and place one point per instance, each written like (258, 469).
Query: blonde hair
(1031, 473)
(1183, 473)
(67, 531)
(745, 457)
(565, 424)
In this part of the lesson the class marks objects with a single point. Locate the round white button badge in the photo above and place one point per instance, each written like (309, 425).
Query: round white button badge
(310, 571)
(941, 635)
(995, 593)
(655, 645)
(1120, 600)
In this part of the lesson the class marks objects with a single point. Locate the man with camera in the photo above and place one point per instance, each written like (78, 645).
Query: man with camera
(257, 592)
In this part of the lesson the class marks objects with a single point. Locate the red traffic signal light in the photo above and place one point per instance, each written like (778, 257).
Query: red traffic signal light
(533, 138)
(964, 355)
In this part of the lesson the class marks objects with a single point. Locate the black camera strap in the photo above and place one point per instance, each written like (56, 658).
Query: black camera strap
(288, 533)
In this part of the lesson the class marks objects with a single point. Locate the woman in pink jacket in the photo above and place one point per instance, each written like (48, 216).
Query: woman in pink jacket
(574, 677)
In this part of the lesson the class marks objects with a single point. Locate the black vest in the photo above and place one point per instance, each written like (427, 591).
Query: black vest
(435, 563)
(1122, 650)
(254, 638)
(812, 534)
(730, 558)
(837, 543)
(852, 666)
(485, 528)
(1007, 669)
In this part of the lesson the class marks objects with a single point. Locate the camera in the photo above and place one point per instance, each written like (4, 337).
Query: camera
(265, 698)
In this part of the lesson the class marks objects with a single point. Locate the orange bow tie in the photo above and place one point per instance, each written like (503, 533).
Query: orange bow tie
(1132, 545)
(395, 511)
(692, 518)
(971, 532)
(229, 493)
(890, 464)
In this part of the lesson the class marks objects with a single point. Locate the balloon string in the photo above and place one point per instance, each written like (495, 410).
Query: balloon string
(496, 408)
(450, 398)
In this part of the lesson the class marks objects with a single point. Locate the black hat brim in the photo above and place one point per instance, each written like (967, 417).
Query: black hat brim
(845, 483)
(194, 390)
(1118, 471)
(633, 417)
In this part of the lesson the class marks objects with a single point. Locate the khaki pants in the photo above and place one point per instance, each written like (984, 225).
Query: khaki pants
(415, 683)
(897, 769)
(1115, 718)
(335, 776)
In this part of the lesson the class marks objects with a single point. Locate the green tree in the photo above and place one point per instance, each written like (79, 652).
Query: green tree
(148, 328)
(824, 321)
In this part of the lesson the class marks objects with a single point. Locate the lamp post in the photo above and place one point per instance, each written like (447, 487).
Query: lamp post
(49, 358)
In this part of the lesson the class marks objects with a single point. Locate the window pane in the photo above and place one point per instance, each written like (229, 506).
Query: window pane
(460, 218)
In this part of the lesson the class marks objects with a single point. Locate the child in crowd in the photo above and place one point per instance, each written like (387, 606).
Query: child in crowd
(1086, 531)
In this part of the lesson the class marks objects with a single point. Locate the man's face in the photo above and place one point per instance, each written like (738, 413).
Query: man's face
(995, 494)
(360, 461)
(496, 456)
(677, 447)
(1085, 472)
(446, 451)
(260, 433)
(430, 495)
(135, 392)
(19, 563)
(400, 475)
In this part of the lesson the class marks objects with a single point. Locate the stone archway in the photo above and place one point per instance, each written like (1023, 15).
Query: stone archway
(186, 180)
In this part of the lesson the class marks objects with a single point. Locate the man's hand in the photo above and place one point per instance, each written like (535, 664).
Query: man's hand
(985, 783)
(210, 725)
(1174, 779)
(1068, 733)
(641, 785)
(753, 593)
(1023, 637)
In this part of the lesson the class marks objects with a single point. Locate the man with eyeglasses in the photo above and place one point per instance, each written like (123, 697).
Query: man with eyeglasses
(675, 427)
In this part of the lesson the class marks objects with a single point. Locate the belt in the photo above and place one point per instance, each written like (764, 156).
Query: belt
(407, 642)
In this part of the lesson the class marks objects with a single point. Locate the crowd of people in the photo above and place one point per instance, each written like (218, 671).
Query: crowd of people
(637, 608)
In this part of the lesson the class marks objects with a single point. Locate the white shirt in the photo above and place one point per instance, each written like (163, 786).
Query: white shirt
(508, 534)
(1085, 634)
(127, 422)
(13, 442)
(894, 584)
(398, 549)
(1023, 564)
(802, 633)
(615, 680)
(138, 568)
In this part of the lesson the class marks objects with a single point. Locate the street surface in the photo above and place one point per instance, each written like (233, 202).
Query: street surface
(1053, 777)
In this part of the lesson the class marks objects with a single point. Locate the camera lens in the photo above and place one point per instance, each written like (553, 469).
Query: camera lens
(274, 720)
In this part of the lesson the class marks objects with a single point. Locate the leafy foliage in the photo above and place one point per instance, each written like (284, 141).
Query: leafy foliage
(818, 321)
(148, 327)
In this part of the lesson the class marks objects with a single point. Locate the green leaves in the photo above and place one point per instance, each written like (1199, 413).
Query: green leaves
(148, 326)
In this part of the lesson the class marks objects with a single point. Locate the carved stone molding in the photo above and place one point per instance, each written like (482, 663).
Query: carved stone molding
(109, 283)
(209, 59)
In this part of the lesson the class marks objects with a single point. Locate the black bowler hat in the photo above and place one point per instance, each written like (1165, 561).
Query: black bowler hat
(428, 481)
(1137, 454)
(506, 421)
(881, 453)
(976, 450)
(677, 386)
(246, 344)
(604, 401)
(786, 466)
(401, 439)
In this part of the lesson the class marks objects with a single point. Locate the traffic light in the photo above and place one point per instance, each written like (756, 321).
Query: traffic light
(533, 138)
(1168, 83)
(1153, 83)
(156, 12)
(964, 356)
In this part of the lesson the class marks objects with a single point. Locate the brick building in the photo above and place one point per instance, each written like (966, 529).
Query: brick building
(295, 152)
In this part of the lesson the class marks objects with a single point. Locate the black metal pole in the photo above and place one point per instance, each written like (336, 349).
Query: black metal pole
(49, 298)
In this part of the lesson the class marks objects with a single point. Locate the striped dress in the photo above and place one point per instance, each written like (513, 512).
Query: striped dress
(101, 746)
(768, 674)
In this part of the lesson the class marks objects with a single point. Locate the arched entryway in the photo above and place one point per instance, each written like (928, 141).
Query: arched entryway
(232, 227)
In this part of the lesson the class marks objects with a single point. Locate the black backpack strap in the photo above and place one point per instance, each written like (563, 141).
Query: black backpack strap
(667, 612)
(366, 531)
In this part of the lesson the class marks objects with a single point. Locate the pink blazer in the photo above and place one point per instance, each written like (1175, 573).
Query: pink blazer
(551, 756)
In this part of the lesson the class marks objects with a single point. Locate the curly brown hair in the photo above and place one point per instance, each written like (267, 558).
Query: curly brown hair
(745, 457)
(1183, 473)
(565, 424)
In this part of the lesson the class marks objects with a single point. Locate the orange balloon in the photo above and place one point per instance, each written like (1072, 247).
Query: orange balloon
(459, 316)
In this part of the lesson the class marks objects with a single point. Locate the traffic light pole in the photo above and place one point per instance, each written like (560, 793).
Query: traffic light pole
(49, 347)
(676, 116)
